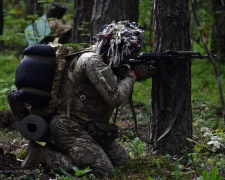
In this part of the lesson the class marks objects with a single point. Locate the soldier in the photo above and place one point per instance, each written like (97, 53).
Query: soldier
(80, 133)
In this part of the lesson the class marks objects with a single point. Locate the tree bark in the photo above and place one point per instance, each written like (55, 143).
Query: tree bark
(218, 34)
(171, 27)
(82, 20)
(105, 11)
(1, 19)
(34, 8)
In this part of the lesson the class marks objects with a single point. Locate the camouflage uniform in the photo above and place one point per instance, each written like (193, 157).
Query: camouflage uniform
(102, 93)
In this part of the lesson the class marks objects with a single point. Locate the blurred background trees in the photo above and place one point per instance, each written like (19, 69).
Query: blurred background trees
(218, 33)
(85, 15)
(1, 20)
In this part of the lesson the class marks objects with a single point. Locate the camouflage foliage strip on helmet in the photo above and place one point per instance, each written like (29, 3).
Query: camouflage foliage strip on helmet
(119, 39)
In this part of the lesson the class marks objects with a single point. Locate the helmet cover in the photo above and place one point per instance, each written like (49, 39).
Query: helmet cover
(119, 40)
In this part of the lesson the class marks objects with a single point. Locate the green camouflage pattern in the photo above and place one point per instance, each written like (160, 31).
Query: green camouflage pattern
(103, 92)
(72, 139)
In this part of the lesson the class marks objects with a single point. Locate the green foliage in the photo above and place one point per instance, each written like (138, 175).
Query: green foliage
(8, 64)
(214, 175)
(137, 146)
(85, 29)
(22, 154)
(207, 90)
(77, 173)
(15, 20)
(142, 93)
(14, 24)
(78, 46)
(176, 172)
(154, 167)
(146, 20)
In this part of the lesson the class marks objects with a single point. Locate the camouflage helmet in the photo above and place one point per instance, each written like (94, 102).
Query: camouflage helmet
(120, 39)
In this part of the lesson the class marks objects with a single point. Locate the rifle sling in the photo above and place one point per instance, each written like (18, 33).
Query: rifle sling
(133, 111)
(175, 114)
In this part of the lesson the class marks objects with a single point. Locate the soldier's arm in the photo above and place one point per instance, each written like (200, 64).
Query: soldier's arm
(105, 81)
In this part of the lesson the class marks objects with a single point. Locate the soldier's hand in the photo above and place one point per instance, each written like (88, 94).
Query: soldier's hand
(144, 72)
(122, 71)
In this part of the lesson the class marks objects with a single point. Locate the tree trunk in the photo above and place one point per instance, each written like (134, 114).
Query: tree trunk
(171, 27)
(218, 34)
(82, 20)
(105, 11)
(1, 20)
(34, 8)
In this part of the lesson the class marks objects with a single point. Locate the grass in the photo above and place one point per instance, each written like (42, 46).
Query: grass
(8, 64)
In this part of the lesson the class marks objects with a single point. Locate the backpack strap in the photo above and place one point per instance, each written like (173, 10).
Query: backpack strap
(75, 89)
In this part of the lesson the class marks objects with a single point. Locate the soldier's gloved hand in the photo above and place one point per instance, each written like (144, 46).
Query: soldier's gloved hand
(122, 71)
(144, 72)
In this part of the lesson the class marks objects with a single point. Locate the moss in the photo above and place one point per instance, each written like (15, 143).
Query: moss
(155, 166)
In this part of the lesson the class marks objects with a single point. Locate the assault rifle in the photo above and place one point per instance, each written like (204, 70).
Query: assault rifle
(160, 60)
(156, 58)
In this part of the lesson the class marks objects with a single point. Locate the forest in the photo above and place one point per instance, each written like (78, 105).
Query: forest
(179, 132)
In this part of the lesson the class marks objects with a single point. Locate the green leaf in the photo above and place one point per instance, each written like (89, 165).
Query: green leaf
(82, 172)
(205, 175)
(75, 168)
(140, 148)
(190, 171)
(200, 178)
(214, 173)
(176, 167)
(136, 142)
(149, 178)
(63, 171)
(189, 162)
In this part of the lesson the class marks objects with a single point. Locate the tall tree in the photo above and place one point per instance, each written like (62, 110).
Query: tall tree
(105, 11)
(171, 98)
(218, 33)
(82, 20)
(1, 18)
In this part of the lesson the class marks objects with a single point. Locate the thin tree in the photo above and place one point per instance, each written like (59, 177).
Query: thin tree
(1, 19)
(211, 59)
(171, 98)
(218, 33)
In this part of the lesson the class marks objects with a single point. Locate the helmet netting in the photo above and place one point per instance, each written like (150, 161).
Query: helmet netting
(120, 39)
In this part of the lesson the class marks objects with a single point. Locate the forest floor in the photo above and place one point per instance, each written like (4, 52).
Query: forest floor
(13, 145)
(143, 166)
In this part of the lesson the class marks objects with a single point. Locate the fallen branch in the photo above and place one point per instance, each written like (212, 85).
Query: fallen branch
(210, 58)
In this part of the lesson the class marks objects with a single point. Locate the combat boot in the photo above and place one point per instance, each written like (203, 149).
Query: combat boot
(36, 154)
(49, 156)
